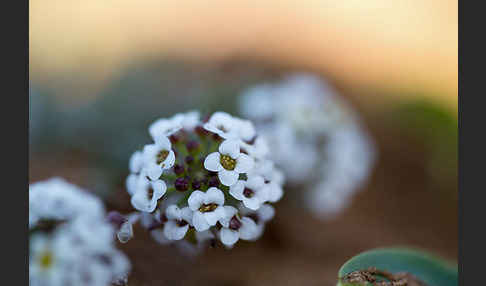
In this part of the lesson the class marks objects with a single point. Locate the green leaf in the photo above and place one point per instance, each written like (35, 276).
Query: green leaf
(428, 268)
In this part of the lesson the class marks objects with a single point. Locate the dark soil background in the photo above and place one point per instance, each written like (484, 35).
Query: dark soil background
(403, 204)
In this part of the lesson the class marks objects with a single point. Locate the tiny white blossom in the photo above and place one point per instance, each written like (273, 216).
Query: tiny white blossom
(165, 127)
(234, 228)
(178, 221)
(253, 192)
(229, 162)
(158, 157)
(223, 124)
(207, 207)
(147, 194)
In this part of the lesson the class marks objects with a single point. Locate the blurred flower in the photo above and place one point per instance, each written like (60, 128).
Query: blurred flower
(316, 139)
(71, 240)
(228, 162)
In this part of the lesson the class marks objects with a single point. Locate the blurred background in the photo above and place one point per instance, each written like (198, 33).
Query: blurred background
(101, 71)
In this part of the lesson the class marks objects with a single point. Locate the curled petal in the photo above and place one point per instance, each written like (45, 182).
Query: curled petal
(159, 188)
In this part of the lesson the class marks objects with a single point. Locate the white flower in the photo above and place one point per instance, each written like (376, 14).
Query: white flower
(228, 162)
(79, 252)
(253, 192)
(223, 124)
(158, 157)
(178, 221)
(147, 194)
(235, 228)
(207, 208)
(165, 127)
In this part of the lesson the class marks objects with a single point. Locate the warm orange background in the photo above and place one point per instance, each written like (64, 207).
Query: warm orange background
(398, 45)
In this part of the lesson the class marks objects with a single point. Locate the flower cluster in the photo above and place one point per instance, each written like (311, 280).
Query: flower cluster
(316, 139)
(202, 181)
(71, 242)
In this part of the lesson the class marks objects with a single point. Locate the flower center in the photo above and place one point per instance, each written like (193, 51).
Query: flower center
(45, 260)
(161, 156)
(181, 223)
(150, 194)
(234, 223)
(208, 207)
(227, 162)
(222, 128)
(248, 193)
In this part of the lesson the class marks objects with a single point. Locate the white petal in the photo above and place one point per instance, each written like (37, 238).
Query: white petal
(136, 162)
(131, 184)
(248, 229)
(228, 178)
(174, 232)
(230, 147)
(153, 171)
(140, 202)
(275, 192)
(195, 200)
(159, 188)
(255, 182)
(186, 214)
(173, 212)
(228, 236)
(149, 153)
(244, 163)
(163, 127)
(237, 190)
(229, 213)
(214, 195)
(266, 212)
(199, 221)
(169, 161)
(212, 162)
(163, 143)
(252, 203)
(211, 217)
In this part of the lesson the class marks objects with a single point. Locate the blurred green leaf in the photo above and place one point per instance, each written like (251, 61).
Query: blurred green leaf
(428, 268)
